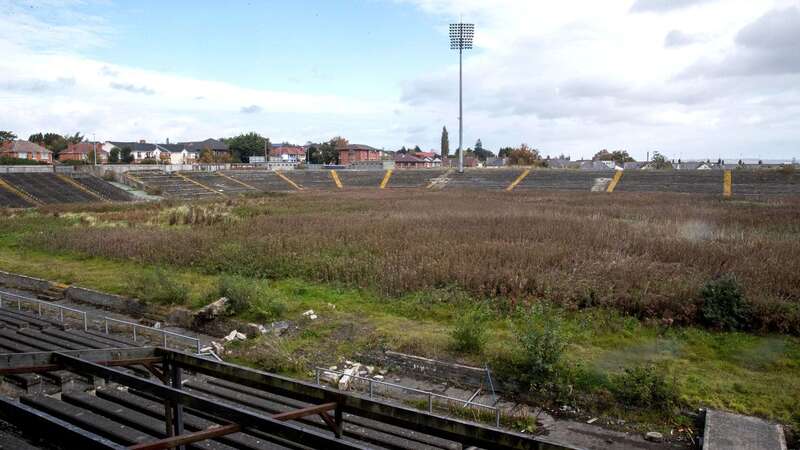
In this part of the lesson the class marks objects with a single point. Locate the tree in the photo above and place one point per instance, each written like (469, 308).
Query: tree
(524, 156)
(478, 145)
(504, 152)
(247, 145)
(445, 148)
(113, 155)
(125, 155)
(660, 162)
(314, 155)
(402, 150)
(481, 153)
(7, 136)
(620, 157)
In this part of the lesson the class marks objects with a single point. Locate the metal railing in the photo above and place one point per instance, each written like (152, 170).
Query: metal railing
(6, 297)
(430, 395)
(19, 299)
(164, 333)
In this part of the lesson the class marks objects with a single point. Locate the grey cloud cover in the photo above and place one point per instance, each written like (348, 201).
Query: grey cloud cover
(132, 88)
(658, 6)
(252, 109)
(677, 38)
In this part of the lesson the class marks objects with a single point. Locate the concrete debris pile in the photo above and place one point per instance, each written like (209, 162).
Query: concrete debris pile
(350, 374)
(310, 314)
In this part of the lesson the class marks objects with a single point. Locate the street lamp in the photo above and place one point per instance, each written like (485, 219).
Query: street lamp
(461, 39)
(94, 148)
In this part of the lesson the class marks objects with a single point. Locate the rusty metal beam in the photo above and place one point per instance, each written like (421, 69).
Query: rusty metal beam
(175, 441)
(14, 361)
(246, 419)
(302, 412)
(147, 362)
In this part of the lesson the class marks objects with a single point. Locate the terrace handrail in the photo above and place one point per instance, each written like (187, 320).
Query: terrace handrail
(19, 299)
(61, 308)
(429, 394)
(163, 332)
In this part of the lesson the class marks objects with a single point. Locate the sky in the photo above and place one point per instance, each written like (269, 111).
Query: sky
(692, 79)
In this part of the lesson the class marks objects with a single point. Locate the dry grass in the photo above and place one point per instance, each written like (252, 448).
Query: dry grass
(645, 254)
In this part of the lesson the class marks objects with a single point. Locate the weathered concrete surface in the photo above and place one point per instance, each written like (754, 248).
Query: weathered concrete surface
(728, 431)
(106, 301)
(14, 280)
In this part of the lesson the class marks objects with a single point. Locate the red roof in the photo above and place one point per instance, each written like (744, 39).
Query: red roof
(287, 150)
(425, 155)
(23, 147)
(83, 148)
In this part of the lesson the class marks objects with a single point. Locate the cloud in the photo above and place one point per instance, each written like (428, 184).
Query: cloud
(659, 6)
(108, 72)
(252, 109)
(677, 38)
(767, 46)
(132, 88)
(35, 85)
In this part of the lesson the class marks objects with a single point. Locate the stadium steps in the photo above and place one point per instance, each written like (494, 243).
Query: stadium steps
(264, 180)
(563, 180)
(106, 190)
(409, 178)
(361, 178)
(172, 186)
(696, 182)
(13, 198)
(220, 182)
(494, 179)
(312, 179)
(47, 188)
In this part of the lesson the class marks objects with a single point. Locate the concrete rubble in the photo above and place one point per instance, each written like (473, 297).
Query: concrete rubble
(344, 378)
(310, 314)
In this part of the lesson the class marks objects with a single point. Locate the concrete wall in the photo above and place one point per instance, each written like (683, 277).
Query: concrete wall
(26, 169)
(106, 301)
(14, 280)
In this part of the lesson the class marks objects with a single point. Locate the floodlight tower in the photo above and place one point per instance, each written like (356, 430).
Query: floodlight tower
(461, 38)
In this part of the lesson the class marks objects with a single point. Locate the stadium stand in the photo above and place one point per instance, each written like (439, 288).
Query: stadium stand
(267, 181)
(106, 190)
(771, 182)
(10, 199)
(405, 178)
(47, 188)
(172, 185)
(697, 182)
(220, 182)
(312, 179)
(361, 178)
(493, 179)
(561, 180)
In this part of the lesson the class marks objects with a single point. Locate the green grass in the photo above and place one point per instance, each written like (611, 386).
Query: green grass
(746, 373)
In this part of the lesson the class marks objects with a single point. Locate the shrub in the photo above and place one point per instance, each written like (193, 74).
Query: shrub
(724, 306)
(469, 334)
(246, 296)
(541, 345)
(156, 286)
(645, 386)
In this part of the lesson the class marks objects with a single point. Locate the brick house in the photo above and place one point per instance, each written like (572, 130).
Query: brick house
(218, 148)
(419, 160)
(287, 153)
(26, 150)
(81, 152)
(351, 153)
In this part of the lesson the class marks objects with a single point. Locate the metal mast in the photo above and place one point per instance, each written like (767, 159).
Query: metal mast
(461, 38)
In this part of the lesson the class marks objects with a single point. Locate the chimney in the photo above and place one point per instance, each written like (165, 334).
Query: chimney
(167, 141)
(142, 141)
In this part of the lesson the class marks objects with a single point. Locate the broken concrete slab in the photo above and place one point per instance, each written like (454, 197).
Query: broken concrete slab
(724, 430)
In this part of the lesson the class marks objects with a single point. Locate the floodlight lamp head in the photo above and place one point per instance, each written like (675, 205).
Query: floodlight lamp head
(461, 35)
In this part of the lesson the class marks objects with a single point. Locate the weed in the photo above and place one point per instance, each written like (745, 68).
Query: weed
(469, 334)
(247, 297)
(723, 304)
(645, 386)
(157, 286)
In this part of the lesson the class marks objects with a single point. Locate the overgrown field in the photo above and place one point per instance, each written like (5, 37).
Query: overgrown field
(645, 255)
(618, 300)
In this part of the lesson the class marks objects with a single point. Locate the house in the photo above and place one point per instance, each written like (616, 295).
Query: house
(633, 165)
(218, 148)
(176, 154)
(409, 161)
(352, 153)
(496, 162)
(26, 150)
(599, 166)
(82, 152)
(692, 165)
(139, 150)
(561, 163)
(287, 153)
(469, 161)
